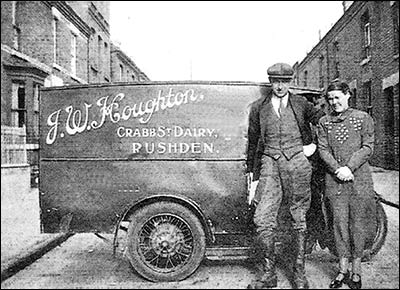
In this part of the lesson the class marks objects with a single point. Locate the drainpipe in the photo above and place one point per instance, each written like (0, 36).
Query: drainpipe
(327, 62)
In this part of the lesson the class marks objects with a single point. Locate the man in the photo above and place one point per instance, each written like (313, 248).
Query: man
(280, 135)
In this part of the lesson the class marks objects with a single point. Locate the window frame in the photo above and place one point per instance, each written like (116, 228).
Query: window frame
(73, 53)
(18, 112)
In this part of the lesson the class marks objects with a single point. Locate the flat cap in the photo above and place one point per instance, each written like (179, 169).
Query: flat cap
(280, 71)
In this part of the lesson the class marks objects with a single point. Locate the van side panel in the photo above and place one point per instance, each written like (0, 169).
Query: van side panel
(97, 192)
(103, 148)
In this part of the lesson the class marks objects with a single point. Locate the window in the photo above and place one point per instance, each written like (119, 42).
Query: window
(106, 59)
(133, 78)
(35, 121)
(18, 109)
(336, 58)
(367, 38)
(55, 40)
(121, 72)
(99, 53)
(17, 38)
(105, 49)
(305, 78)
(93, 50)
(368, 96)
(321, 71)
(366, 27)
(73, 54)
(36, 88)
(337, 72)
(127, 74)
(395, 17)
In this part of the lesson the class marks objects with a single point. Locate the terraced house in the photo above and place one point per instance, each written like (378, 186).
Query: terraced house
(50, 43)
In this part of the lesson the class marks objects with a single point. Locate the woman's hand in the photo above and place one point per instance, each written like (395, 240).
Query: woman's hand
(344, 173)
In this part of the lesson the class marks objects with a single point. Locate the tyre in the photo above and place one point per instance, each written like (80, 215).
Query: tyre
(374, 243)
(380, 236)
(166, 242)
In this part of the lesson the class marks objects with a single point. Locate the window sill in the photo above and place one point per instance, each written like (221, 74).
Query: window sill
(94, 67)
(78, 79)
(365, 61)
(67, 73)
(57, 67)
(15, 165)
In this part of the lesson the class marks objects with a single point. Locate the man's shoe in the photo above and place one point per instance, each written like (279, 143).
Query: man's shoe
(337, 282)
(355, 284)
(266, 277)
(300, 278)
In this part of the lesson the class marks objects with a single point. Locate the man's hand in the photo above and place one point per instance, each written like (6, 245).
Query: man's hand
(344, 173)
(309, 149)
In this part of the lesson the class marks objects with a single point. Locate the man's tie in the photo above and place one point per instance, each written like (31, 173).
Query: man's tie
(281, 106)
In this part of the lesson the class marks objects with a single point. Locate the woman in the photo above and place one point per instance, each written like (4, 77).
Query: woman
(346, 140)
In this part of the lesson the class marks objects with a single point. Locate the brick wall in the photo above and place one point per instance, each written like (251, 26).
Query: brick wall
(6, 23)
(35, 22)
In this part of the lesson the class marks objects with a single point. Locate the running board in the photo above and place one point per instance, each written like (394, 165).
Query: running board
(225, 253)
(234, 252)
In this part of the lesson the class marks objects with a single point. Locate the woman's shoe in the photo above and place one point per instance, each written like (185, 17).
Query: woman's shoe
(337, 283)
(355, 284)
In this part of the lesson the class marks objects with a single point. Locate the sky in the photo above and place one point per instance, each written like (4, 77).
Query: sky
(218, 40)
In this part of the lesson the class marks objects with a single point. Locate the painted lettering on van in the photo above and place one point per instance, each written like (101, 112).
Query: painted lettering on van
(173, 148)
(163, 131)
(142, 134)
(108, 108)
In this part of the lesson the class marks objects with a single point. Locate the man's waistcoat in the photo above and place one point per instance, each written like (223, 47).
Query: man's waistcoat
(282, 135)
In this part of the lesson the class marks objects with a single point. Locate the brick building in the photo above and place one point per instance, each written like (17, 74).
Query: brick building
(96, 14)
(123, 69)
(362, 49)
(50, 43)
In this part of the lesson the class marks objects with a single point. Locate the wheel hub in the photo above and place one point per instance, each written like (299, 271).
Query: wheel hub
(166, 239)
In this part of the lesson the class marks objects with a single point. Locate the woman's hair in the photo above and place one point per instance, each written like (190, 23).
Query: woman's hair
(338, 86)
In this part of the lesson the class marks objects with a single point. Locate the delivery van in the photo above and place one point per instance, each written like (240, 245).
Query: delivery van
(162, 161)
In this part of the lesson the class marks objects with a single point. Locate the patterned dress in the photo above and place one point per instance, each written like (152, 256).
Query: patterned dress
(347, 139)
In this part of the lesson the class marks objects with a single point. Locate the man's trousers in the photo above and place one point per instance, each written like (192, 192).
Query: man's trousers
(282, 178)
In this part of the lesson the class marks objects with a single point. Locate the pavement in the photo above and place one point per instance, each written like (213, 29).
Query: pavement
(22, 241)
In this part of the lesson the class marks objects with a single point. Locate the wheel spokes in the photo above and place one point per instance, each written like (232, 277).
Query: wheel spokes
(165, 242)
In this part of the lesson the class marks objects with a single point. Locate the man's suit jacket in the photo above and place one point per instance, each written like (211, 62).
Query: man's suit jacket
(305, 114)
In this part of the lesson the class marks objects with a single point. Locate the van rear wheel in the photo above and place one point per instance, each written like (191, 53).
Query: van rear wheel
(166, 242)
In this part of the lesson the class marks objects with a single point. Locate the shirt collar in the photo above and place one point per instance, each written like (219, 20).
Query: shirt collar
(340, 117)
(284, 99)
